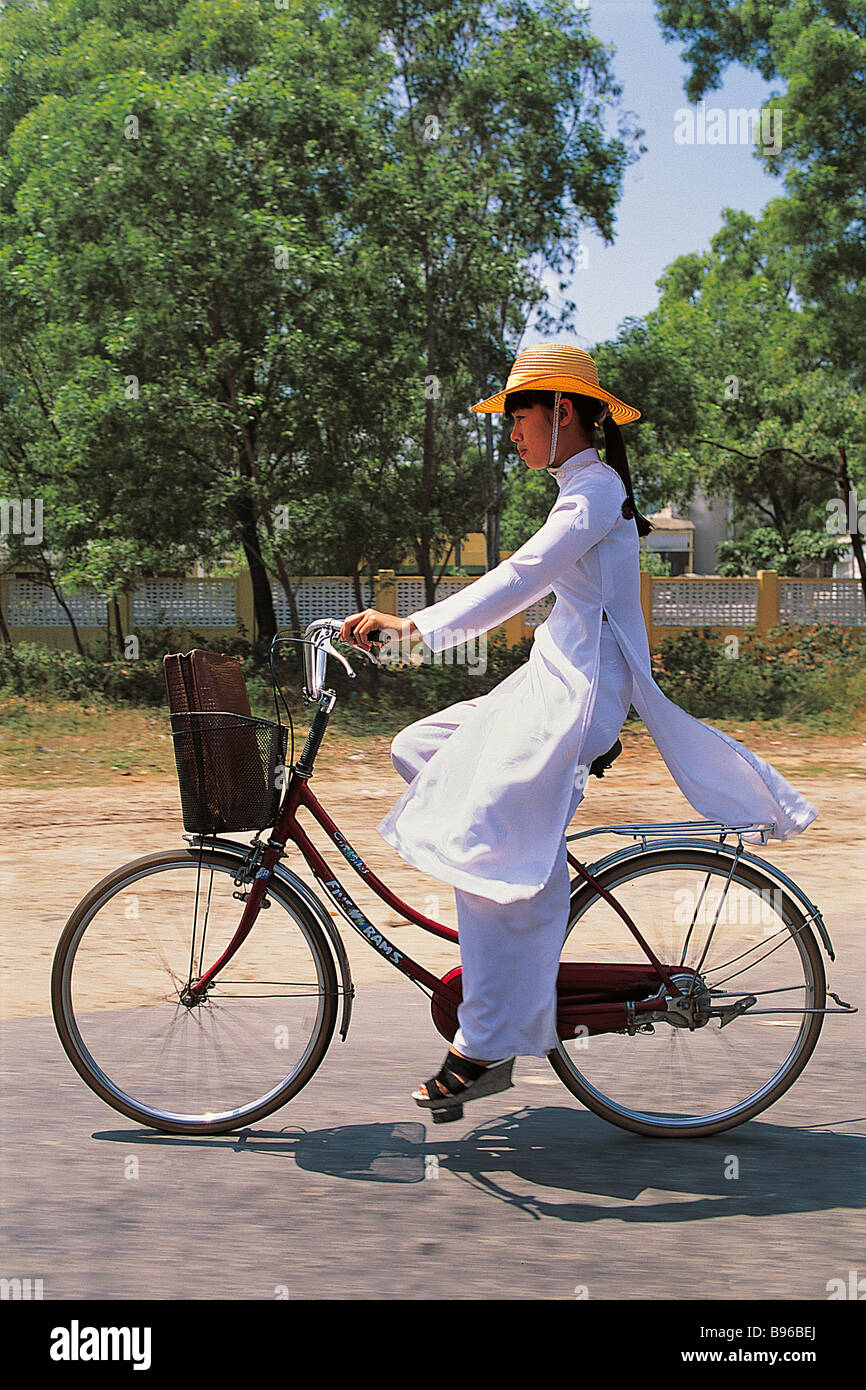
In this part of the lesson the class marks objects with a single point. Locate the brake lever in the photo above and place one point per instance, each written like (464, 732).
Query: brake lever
(327, 647)
(366, 651)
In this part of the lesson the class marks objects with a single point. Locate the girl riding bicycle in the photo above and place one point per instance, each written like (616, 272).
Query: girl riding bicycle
(493, 782)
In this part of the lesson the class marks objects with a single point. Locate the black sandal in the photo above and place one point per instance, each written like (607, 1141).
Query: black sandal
(462, 1080)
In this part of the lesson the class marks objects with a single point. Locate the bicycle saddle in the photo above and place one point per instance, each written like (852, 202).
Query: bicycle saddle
(598, 767)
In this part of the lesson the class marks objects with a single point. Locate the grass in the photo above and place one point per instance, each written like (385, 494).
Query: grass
(80, 744)
(89, 745)
(84, 745)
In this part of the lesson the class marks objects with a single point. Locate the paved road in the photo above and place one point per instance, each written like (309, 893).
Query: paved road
(350, 1192)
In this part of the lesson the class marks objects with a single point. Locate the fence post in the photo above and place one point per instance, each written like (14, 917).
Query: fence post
(646, 603)
(386, 592)
(768, 600)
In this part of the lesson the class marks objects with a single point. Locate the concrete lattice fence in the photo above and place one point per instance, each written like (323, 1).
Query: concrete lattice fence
(220, 608)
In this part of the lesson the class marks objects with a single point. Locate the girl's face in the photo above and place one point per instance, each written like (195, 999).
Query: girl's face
(531, 434)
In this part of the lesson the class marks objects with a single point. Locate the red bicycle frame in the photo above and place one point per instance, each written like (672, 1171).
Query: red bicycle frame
(590, 996)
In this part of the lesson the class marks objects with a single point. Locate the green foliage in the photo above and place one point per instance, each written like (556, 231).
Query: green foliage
(35, 670)
(739, 398)
(651, 562)
(28, 668)
(816, 675)
(256, 260)
(818, 49)
(529, 495)
(767, 549)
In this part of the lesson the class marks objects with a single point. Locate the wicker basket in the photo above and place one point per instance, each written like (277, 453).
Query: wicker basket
(230, 770)
(230, 766)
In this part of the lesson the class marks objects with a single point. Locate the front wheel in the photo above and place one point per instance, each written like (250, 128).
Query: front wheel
(127, 953)
(752, 954)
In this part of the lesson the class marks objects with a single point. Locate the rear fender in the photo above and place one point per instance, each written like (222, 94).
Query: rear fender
(713, 850)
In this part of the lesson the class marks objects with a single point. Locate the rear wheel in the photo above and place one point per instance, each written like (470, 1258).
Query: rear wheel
(118, 993)
(754, 955)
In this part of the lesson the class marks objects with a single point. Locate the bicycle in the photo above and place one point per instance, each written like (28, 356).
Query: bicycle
(677, 950)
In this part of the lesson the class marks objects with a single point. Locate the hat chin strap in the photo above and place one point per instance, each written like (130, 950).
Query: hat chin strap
(554, 436)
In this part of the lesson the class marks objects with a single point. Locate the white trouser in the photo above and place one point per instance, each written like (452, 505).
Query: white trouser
(510, 952)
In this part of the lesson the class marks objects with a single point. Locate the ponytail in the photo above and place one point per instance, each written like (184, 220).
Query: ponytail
(615, 456)
(587, 408)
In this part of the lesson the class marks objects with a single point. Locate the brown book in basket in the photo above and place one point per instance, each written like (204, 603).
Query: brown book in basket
(227, 762)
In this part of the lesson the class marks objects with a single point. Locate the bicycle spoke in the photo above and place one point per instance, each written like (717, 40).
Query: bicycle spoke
(695, 915)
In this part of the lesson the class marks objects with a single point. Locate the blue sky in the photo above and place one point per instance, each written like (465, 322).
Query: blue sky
(674, 195)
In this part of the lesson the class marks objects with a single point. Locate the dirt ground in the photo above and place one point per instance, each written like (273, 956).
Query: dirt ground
(59, 839)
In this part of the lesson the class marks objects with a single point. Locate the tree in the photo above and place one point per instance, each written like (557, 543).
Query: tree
(818, 49)
(497, 155)
(173, 208)
(258, 262)
(736, 395)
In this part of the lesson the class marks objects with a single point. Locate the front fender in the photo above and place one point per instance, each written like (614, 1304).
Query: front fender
(297, 885)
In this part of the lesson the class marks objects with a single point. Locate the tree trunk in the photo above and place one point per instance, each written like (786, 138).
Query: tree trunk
(425, 568)
(4, 631)
(493, 482)
(856, 538)
(64, 605)
(263, 599)
(428, 465)
(294, 617)
(118, 625)
(493, 510)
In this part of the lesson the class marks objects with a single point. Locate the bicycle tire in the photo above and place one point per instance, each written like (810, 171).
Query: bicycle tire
(628, 882)
(118, 975)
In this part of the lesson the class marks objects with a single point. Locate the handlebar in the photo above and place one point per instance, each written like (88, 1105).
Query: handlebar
(334, 626)
(316, 647)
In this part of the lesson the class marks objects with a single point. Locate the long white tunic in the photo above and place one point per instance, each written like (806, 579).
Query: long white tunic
(488, 812)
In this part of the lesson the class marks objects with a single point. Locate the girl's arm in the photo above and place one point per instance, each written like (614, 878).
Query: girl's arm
(574, 526)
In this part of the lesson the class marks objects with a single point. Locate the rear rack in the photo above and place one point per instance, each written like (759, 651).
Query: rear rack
(674, 829)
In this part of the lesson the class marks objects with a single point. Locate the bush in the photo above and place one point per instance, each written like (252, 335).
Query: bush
(31, 669)
(791, 673)
(816, 673)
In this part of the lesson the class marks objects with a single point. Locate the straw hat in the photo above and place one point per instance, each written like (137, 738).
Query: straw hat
(557, 367)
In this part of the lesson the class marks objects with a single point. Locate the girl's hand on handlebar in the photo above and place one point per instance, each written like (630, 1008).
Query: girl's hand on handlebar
(371, 625)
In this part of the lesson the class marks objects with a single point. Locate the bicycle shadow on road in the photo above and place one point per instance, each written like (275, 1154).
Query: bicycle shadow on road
(759, 1169)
